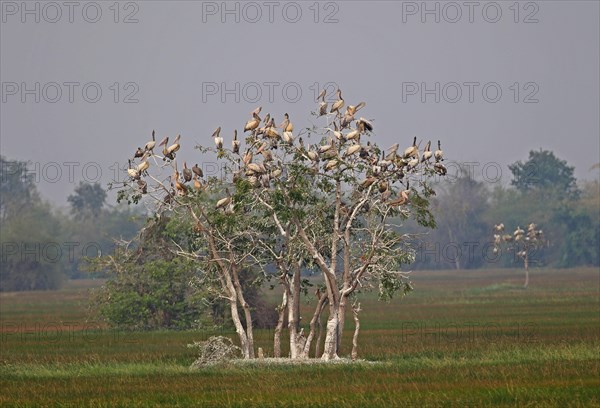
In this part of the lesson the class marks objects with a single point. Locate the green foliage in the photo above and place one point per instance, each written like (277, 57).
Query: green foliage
(42, 247)
(17, 189)
(581, 238)
(545, 172)
(460, 207)
(88, 200)
(34, 254)
(148, 295)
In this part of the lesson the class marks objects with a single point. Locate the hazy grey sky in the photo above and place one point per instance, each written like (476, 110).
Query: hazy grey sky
(183, 64)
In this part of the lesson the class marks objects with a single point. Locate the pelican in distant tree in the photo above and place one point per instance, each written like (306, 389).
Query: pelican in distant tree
(518, 233)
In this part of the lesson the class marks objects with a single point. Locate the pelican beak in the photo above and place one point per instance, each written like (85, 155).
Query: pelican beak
(165, 140)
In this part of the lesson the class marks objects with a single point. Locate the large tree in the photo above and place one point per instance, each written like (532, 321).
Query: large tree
(327, 198)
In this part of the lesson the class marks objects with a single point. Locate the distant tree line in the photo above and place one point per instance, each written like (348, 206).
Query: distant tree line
(42, 246)
(543, 189)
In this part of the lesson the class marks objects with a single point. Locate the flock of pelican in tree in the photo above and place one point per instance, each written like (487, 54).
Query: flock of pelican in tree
(532, 238)
(340, 147)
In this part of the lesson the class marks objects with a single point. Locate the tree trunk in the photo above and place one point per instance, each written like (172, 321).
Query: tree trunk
(279, 327)
(355, 311)
(320, 332)
(457, 258)
(296, 336)
(292, 328)
(296, 284)
(316, 319)
(341, 321)
(247, 313)
(233, 290)
(239, 328)
(526, 260)
(331, 334)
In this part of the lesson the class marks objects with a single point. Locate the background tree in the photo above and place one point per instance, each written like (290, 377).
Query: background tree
(94, 228)
(88, 200)
(580, 222)
(33, 255)
(522, 243)
(459, 209)
(543, 172)
(148, 285)
(17, 189)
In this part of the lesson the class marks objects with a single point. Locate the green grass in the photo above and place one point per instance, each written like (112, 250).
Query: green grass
(468, 338)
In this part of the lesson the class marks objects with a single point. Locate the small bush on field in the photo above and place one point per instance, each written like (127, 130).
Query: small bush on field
(215, 350)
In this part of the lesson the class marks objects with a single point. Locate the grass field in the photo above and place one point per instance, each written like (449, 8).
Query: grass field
(466, 338)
